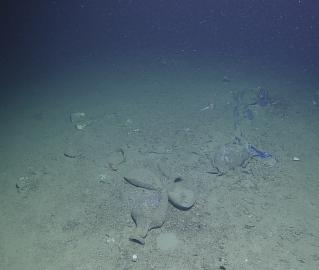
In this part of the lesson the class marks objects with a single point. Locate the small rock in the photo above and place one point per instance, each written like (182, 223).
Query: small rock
(80, 120)
(115, 159)
(71, 151)
(181, 196)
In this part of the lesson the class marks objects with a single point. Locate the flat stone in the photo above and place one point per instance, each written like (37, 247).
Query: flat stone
(143, 178)
(181, 196)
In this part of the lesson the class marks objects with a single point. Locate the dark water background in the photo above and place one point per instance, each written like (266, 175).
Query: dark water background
(41, 37)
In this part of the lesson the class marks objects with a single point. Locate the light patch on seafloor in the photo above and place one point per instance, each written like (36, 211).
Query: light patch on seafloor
(167, 241)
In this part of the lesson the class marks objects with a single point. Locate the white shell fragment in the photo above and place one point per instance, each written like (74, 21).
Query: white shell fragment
(296, 159)
(134, 258)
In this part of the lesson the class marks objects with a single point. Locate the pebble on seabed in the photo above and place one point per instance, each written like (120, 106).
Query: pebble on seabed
(134, 258)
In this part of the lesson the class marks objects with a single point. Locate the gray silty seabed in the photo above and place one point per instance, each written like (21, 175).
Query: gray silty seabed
(74, 213)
